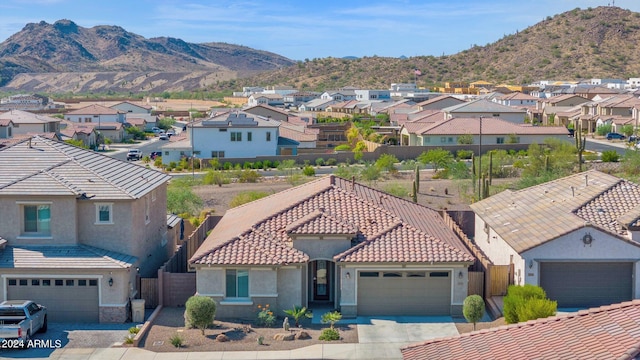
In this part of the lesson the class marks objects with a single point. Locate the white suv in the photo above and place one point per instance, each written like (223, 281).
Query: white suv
(134, 154)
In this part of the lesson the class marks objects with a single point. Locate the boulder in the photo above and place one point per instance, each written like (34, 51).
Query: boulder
(302, 335)
(283, 337)
(222, 338)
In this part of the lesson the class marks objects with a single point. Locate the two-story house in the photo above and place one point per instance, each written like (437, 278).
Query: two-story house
(96, 114)
(486, 109)
(77, 228)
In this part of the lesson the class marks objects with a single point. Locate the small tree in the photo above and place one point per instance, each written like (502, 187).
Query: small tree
(473, 309)
(331, 318)
(465, 139)
(298, 313)
(386, 162)
(200, 312)
(438, 158)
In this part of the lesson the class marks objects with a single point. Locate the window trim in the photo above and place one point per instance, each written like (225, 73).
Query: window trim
(236, 297)
(100, 222)
(31, 234)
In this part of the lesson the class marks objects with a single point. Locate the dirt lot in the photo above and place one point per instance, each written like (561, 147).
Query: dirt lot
(170, 322)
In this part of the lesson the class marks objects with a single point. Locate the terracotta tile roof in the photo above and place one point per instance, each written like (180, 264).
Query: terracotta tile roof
(386, 228)
(490, 126)
(608, 332)
(533, 216)
(136, 121)
(95, 109)
(438, 99)
(605, 210)
(481, 106)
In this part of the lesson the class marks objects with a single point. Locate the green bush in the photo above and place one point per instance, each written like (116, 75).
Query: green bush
(275, 164)
(257, 165)
(332, 162)
(309, 171)
(536, 309)
(176, 340)
(604, 129)
(215, 178)
(464, 154)
(343, 147)
(157, 162)
(265, 316)
(134, 330)
(610, 156)
(249, 176)
(329, 335)
(396, 189)
(227, 165)
(473, 309)
(199, 312)
(319, 161)
(245, 197)
(518, 300)
(247, 165)
(266, 164)
(386, 162)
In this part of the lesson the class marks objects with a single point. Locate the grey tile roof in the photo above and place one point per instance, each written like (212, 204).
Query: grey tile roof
(481, 105)
(63, 257)
(530, 217)
(40, 166)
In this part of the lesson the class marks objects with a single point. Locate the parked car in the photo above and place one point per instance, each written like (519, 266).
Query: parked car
(615, 136)
(634, 138)
(163, 137)
(171, 132)
(134, 154)
(156, 129)
(155, 154)
(19, 320)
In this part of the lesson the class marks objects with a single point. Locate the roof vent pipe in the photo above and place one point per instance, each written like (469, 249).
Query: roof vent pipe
(586, 180)
(573, 191)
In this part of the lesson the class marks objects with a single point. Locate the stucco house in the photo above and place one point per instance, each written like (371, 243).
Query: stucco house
(333, 243)
(96, 114)
(24, 122)
(77, 228)
(131, 108)
(486, 109)
(577, 237)
(608, 332)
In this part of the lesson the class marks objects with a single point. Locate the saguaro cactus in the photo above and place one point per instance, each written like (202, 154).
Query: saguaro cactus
(414, 193)
(580, 144)
(417, 178)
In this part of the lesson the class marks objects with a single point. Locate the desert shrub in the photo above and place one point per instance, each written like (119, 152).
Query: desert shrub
(332, 162)
(172, 165)
(199, 312)
(386, 162)
(215, 177)
(610, 156)
(247, 165)
(249, 176)
(257, 165)
(157, 162)
(519, 297)
(396, 190)
(134, 330)
(179, 168)
(464, 154)
(309, 171)
(265, 316)
(319, 161)
(329, 335)
(604, 129)
(266, 164)
(370, 173)
(245, 197)
(536, 309)
(343, 147)
(227, 165)
(275, 164)
(345, 171)
(176, 340)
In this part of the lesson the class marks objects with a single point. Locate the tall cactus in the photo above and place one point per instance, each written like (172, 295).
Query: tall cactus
(414, 193)
(417, 178)
(490, 167)
(580, 144)
(546, 163)
(473, 172)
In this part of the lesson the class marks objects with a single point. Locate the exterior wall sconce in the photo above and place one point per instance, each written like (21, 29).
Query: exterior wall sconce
(587, 239)
(460, 275)
(347, 275)
(110, 282)
(530, 264)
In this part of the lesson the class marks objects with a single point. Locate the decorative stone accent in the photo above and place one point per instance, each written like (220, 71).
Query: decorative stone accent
(283, 337)
(302, 335)
(222, 338)
(113, 314)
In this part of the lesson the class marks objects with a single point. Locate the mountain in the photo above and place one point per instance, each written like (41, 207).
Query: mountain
(578, 44)
(65, 47)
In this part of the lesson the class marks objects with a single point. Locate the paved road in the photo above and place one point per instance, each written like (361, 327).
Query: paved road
(605, 145)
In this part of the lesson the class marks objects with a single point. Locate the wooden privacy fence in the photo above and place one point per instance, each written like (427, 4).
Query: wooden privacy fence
(476, 283)
(499, 278)
(149, 292)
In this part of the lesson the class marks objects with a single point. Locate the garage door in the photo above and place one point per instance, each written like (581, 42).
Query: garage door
(404, 293)
(67, 300)
(582, 285)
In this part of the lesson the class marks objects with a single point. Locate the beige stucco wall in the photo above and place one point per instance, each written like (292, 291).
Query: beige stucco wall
(63, 220)
(322, 248)
(290, 290)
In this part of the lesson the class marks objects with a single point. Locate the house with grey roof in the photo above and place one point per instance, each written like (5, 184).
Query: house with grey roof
(577, 237)
(333, 243)
(607, 332)
(24, 122)
(77, 228)
(486, 109)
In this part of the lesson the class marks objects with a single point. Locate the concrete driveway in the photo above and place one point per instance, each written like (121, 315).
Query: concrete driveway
(404, 329)
(73, 335)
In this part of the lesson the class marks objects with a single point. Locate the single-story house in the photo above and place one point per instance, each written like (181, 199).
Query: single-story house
(608, 332)
(577, 237)
(333, 243)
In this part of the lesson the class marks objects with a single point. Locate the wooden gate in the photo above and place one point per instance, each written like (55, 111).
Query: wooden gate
(499, 279)
(476, 283)
(149, 292)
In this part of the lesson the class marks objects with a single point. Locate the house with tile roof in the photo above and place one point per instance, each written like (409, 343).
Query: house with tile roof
(77, 228)
(577, 237)
(439, 102)
(79, 131)
(24, 122)
(131, 108)
(333, 243)
(444, 133)
(96, 114)
(486, 109)
(607, 332)
(6, 128)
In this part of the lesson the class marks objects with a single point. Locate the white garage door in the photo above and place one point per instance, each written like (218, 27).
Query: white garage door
(587, 284)
(412, 293)
(67, 300)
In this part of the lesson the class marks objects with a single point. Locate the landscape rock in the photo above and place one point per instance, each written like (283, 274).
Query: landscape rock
(222, 338)
(302, 335)
(283, 337)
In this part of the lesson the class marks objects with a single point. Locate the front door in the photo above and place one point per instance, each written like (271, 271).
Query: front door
(321, 280)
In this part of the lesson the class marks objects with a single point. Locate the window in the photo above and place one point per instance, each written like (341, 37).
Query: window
(236, 136)
(369, 274)
(82, 282)
(426, 139)
(46, 282)
(93, 282)
(104, 214)
(59, 282)
(35, 282)
(439, 274)
(249, 136)
(23, 282)
(500, 140)
(222, 130)
(37, 220)
(443, 139)
(12, 282)
(237, 284)
(391, 274)
(217, 154)
(69, 282)
(268, 135)
(415, 274)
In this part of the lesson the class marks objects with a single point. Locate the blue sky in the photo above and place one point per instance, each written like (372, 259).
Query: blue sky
(300, 29)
